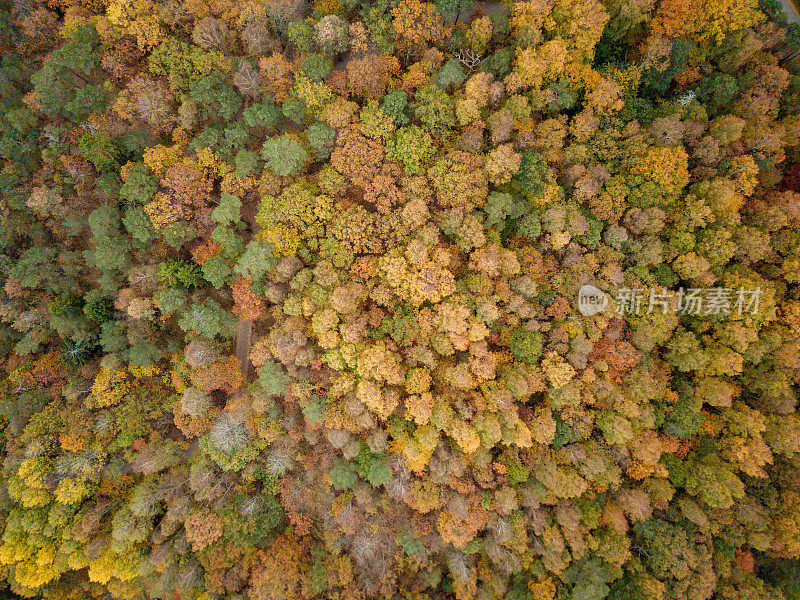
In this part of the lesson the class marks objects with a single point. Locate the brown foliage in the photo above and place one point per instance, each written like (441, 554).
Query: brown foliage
(247, 305)
(203, 528)
(367, 77)
(38, 28)
(153, 102)
(356, 157)
(276, 573)
(225, 374)
(122, 59)
(247, 80)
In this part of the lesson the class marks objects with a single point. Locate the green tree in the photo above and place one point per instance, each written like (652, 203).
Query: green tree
(317, 66)
(434, 108)
(139, 225)
(246, 161)
(180, 273)
(217, 99)
(217, 271)
(256, 261)
(99, 310)
(526, 345)
(265, 114)
(208, 319)
(284, 155)
(228, 210)
(320, 138)
(140, 186)
(101, 150)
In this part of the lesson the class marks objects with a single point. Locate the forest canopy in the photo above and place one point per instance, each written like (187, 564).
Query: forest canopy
(399, 299)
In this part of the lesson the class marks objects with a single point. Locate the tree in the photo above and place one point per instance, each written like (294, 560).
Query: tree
(228, 210)
(211, 33)
(256, 260)
(101, 150)
(217, 271)
(434, 108)
(180, 273)
(415, 24)
(139, 186)
(316, 66)
(413, 147)
(203, 529)
(217, 99)
(208, 319)
(247, 305)
(284, 155)
(331, 35)
(247, 80)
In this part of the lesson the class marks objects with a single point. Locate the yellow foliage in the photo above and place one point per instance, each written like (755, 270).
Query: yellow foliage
(533, 68)
(415, 454)
(667, 167)
(284, 239)
(558, 372)
(726, 16)
(745, 173)
(109, 387)
(159, 158)
(465, 436)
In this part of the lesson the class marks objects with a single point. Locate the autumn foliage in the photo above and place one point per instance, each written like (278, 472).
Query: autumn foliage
(393, 211)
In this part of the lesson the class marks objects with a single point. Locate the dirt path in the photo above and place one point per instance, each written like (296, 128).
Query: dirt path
(244, 338)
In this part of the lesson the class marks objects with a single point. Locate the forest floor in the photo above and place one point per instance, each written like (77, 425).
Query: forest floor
(244, 339)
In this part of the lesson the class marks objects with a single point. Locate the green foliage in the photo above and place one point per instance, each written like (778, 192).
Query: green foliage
(101, 150)
(717, 90)
(229, 239)
(272, 379)
(256, 260)
(228, 210)
(502, 208)
(140, 186)
(66, 306)
(530, 178)
(320, 138)
(317, 66)
(394, 103)
(284, 155)
(526, 345)
(373, 467)
(246, 161)
(138, 224)
(249, 520)
(265, 114)
(55, 82)
(412, 146)
(209, 319)
(343, 475)
(99, 310)
(79, 352)
(451, 75)
(498, 63)
(217, 271)
(294, 110)
(217, 99)
(180, 273)
(434, 108)
(178, 234)
(301, 34)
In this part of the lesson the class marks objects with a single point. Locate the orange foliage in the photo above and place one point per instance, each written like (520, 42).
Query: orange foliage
(248, 305)
(225, 374)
